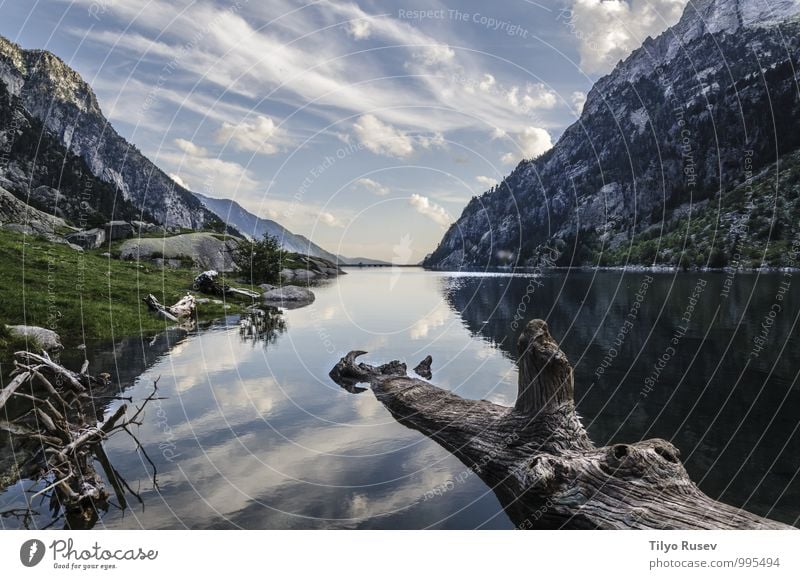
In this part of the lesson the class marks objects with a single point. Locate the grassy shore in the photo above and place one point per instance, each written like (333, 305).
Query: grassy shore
(84, 294)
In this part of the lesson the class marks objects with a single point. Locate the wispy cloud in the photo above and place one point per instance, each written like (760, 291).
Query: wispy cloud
(487, 182)
(432, 211)
(382, 138)
(372, 186)
(261, 135)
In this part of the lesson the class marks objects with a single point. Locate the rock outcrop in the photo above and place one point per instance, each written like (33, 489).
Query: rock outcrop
(687, 117)
(204, 250)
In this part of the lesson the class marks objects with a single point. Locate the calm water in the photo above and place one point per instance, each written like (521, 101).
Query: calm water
(253, 433)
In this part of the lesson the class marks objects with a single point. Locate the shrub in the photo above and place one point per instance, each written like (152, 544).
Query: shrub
(259, 261)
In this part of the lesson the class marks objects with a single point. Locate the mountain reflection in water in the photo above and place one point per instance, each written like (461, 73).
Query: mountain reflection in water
(260, 437)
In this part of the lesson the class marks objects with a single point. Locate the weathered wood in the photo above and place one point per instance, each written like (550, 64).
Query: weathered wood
(59, 447)
(183, 309)
(208, 283)
(423, 369)
(12, 386)
(537, 456)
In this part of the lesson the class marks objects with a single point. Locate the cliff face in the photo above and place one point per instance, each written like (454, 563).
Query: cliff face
(56, 96)
(687, 117)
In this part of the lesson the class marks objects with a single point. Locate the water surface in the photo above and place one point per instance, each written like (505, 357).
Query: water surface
(253, 433)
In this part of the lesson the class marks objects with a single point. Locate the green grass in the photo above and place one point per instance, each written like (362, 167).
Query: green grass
(84, 294)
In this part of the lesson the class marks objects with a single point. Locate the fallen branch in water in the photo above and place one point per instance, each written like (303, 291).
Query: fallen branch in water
(537, 456)
(53, 425)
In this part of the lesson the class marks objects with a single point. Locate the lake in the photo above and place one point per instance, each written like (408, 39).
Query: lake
(252, 433)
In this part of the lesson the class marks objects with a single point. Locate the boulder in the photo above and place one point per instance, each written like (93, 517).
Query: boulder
(88, 239)
(45, 338)
(205, 250)
(304, 275)
(288, 296)
(118, 230)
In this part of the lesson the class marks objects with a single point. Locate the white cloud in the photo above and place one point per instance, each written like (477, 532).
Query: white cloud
(531, 142)
(487, 82)
(359, 29)
(534, 96)
(431, 210)
(214, 177)
(434, 141)
(609, 30)
(382, 138)
(509, 159)
(578, 99)
(259, 136)
(487, 182)
(190, 148)
(330, 219)
(435, 54)
(372, 186)
(175, 177)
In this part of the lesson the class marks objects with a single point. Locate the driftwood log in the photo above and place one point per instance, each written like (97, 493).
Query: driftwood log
(208, 283)
(537, 456)
(184, 309)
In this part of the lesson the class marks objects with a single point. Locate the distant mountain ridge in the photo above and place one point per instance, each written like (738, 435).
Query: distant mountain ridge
(684, 119)
(233, 214)
(65, 158)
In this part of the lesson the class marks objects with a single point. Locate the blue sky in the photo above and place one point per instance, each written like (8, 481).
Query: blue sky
(366, 126)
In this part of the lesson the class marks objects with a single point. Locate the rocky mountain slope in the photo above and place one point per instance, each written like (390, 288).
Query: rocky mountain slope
(50, 92)
(40, 171)
(255, 227)
(58, 153)
(686, 118)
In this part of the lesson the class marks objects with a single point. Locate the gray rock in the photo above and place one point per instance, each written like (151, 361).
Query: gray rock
(19, 228)
(45, 338)
(287, 274)
(205, 250)
(289, 296)
(88, 239)
(304, 275)
(118, 230)
(267, 287)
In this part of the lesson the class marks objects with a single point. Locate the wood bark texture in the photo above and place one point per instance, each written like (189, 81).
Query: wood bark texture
(537, 456)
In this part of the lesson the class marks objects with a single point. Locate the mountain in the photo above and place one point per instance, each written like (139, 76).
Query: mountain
(42, 88)
(255, 227)
(682, 122)
(37, 168)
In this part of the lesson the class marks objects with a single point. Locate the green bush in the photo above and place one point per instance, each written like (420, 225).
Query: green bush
(259, 261)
